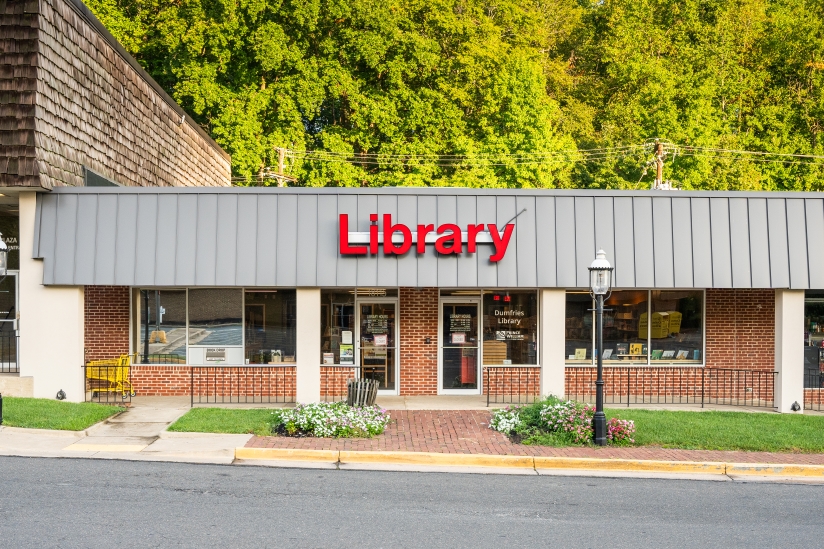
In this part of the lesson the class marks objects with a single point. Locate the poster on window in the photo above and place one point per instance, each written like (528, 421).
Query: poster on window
(509, 335)
(458, 338)
(347, 354)
(379, 340)
(377, 324)
(460, 323)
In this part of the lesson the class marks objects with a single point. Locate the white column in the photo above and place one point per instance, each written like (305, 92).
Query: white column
(51, 321)
(308, 345)
(789, 349)
(553, 334)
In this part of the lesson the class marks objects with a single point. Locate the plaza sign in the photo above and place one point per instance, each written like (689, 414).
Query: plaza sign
(397, 239)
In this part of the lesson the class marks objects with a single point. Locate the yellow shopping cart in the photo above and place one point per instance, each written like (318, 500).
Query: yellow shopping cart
(110, 376)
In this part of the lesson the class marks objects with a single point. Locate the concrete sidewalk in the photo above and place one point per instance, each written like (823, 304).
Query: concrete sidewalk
(139, 433)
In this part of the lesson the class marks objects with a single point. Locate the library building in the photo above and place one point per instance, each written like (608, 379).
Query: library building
(125, 243)
(430, 291)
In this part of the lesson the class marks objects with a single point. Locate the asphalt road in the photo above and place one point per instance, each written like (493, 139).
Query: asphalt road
(96, 503)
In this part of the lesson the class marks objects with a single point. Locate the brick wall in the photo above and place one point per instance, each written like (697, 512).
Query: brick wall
(672, 384)
(106, 321)
(224, 383)
(95, 107)
(333, 381)
(740, 329)
(419, 360)
(514, 381)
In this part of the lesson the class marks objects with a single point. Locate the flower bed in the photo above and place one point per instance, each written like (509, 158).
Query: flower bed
(330, 419)
(553, 422)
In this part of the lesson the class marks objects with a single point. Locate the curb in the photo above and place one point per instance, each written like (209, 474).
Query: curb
(46, 432)
(530, 462)
(167, 435)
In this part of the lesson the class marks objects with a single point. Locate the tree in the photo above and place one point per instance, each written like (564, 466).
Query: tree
(485, 94)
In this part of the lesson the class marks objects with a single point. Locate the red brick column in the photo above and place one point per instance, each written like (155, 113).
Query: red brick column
(419, 360)
(106, 321)
(740, 329)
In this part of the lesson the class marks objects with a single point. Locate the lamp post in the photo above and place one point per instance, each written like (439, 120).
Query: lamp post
(600, 279)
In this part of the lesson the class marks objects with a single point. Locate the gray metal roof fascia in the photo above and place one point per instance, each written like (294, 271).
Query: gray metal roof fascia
(436, 191)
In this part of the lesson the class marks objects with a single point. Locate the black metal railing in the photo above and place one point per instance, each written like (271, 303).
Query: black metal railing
(8, 353)
(161, 358)
(333, 380)
(511, 384)
(813, 390)
(270, 384)
(628, 385)
(108, 384)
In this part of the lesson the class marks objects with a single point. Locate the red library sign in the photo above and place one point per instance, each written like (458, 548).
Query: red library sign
(397, 238)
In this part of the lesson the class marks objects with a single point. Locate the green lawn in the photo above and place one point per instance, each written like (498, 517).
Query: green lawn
(689, 430)
(768, 432)
(223, 420)
(43, 413)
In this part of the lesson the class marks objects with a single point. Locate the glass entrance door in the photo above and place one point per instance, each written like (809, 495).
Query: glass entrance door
(459, 346)
(377, 343)
(8, 324)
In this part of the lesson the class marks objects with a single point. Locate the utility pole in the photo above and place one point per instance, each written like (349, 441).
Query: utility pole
(281, 165)
(659, 184)
(280, 174)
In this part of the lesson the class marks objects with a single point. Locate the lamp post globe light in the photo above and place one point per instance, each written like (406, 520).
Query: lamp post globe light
(600, 280)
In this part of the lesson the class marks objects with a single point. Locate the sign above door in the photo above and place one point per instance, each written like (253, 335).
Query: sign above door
(398, 238)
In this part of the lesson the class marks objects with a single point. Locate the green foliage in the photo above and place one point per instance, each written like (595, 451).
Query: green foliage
(42, 413)
(405, 79)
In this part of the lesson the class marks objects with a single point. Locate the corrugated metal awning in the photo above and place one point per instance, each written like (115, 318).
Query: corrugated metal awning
(289, 237)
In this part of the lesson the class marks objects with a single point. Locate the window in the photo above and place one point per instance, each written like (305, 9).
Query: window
(337, 326)
(640, 327)
(269, 326)
(510, 327)
(623, 326)
(215, 317)
(212, 326)
(814, 340)
(161, 326)
(578, 328)
(10, 228)
(677, 326)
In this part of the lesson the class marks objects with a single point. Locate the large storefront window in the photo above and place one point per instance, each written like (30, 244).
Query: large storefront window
(161, 333)
(625, 338)
(658, 327)
(212, 326)
(215, 326)
(270, 321)
(814, 340)
(215, 317)
(677, 327)
(578, 328)
(510, 327)
(337, 327)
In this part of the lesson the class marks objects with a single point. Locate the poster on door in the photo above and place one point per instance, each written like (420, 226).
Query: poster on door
(458, 338)
(377, 324)
(460, 323)
(379, 340)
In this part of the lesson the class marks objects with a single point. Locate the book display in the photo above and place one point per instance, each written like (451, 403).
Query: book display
(649, 327)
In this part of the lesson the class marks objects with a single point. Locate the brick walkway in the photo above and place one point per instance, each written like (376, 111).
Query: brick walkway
(466, 432)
